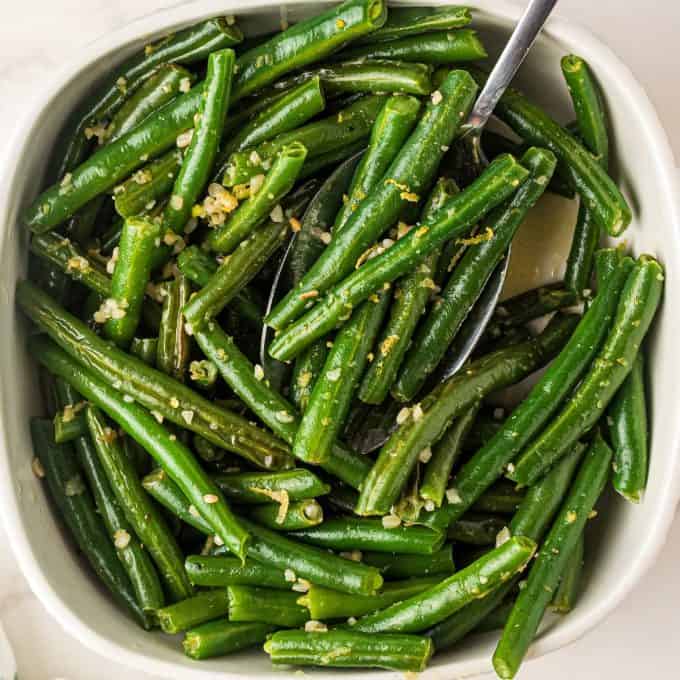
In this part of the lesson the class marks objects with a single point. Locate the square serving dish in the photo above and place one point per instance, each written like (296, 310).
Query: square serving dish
(624, 545)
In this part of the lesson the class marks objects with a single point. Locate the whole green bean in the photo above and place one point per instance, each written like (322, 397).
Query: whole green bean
(122, 311)
(428, 608)
(458, 214)
(258, 487)
(637, 305)
(403, 21)
(175, 458)
(298, 515)
(347, 649)
(305, 42)
(407, 566)
(470, 275)
(411, 295)
(277, 183)
(151, 388)
(329, 134)
(146, 187)
(70, 494)
(172, 349)
(369, 534)
(206, 570)
(221, 637)
(190, 612)
(552, 559)
(199, 157)
(311, 563)
(138, 509)
(277, 607)
(407, 176)
(567, 591)
(325, 604)
(525, 422)
(444, 455)
(424, 424)
(597, 190)
(439, 47)
(627, 420)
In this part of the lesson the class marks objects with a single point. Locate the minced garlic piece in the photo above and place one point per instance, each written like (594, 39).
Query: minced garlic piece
(121, 539)
(184, 139)
(391, 521)
(211, 498)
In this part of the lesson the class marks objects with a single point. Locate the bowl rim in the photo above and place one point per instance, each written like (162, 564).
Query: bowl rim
(571, 628)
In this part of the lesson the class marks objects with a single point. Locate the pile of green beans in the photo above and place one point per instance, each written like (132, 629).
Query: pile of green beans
(255, 278)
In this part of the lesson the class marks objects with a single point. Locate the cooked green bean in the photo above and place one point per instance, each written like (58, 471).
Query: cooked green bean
(406, 566)
(570, 581)
(294, 516)
(169, 452)
(151, 388)
(424, 424)
(347, 649)
(407, 176)
(262, 487)
(221, 637)
(503, 497)
(552, 559)
(438, 47)
(145, 349)
(277, 607)
(627, 420)
(190, 612)
(635, 312)
(476, 529)
(206, 570)
(68, 426)
(172, 350)
(428, 608)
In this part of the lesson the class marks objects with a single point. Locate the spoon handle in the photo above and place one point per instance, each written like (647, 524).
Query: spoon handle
(506, 66)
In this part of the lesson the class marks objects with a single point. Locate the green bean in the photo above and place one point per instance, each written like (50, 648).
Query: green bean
(272, 409)
(444, 455)
(567, 591)
(277, 607)
(476, 529)
(203, 373)
(172, 351)
(306, 369)
(306, 42)
(145, 349)
(406, 566)
(142, 515)
(404, 21)
(176, 459)
(314, 564)
(606, 262)
(144, 188)
(277, 183)
(503, 498)
(637, 305)
(325, 604)
(70, 259)
(197, 265)
(470, 275)
(552, 559)
(544, 498)
(207, 132)
(258, 487)
(458, 214)
(472, 618)
(221, 637)
(337, 131)
(347, 649)
(158, 89)
(151, 388)
(424, 424)
(525, 422)
(412, 293)
(68, 427)
(422, 611)
(330, 159)
(597, 190)
(122, 311)
(297, 515)
(627, 421)
(407, 176)
(374, 75)
(73, 500)
(331, 397)
(206, 570)
(288, 112)
(439, 47)
(202, 607)
(369, 534)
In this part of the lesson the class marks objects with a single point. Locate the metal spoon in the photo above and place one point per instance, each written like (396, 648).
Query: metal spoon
(505, 68)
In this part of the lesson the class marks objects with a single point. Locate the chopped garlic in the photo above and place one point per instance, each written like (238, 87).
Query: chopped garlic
(121, 539)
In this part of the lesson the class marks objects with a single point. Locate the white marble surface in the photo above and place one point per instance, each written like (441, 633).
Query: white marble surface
(640, 639)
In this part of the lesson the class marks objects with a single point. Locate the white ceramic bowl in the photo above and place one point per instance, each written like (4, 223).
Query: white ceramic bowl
(627, 539)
